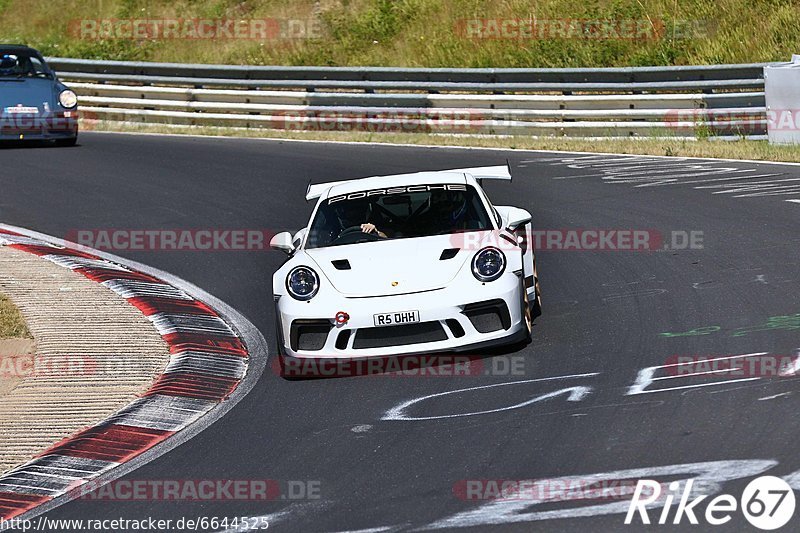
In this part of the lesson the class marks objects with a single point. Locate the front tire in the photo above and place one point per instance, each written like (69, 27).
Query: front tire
(536, 309)
(527, 316)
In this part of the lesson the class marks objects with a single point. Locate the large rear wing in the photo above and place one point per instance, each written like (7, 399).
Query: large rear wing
(499, 172)
(318, 189)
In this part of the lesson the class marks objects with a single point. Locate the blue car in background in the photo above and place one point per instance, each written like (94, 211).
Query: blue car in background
(34, 104)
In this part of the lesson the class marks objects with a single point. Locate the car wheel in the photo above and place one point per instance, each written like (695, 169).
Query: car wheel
(71, 141)
(527, 315)
(536, 308)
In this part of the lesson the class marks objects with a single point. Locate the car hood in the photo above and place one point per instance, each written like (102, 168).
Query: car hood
(393, 267)
(27, 92)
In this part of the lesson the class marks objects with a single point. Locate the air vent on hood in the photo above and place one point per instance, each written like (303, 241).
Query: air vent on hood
(341, 264)
(448, 253)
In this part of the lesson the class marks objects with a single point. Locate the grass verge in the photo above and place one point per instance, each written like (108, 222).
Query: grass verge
(415, 33)
(12, 325)
(739, 149)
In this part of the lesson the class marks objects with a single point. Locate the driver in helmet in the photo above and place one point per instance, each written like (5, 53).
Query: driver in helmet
(349, 213)
(448, 210)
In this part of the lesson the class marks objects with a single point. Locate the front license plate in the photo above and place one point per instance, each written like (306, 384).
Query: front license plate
(17, 110)
(393, 319)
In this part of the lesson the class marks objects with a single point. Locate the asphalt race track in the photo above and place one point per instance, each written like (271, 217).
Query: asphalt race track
(608, 317)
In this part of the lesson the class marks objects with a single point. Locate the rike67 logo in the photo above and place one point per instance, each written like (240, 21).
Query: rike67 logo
(767, 502)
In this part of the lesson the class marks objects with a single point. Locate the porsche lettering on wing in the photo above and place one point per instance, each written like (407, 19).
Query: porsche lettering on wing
(398, 190)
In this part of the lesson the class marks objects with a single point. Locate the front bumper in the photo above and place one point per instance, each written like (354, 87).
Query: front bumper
(464, 316)
(15, 127)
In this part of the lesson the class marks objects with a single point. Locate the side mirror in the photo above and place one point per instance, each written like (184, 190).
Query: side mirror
(514, 223)
(283, 242)
(513, 217)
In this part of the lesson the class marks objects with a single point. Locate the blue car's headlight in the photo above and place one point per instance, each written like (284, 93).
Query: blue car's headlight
(68, 99)
(302, 283)
(488, 264)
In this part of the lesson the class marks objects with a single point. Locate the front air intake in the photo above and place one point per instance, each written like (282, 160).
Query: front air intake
(488, 316)
(309, 335)
(399, 335)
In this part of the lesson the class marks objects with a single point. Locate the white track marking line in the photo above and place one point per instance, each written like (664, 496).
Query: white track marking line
(677, 169)
(793, 369)
(629, 163)
(665, 180)
(576, 394)
(256, 523)
(728, 179)
(711, 476)
(774, 396)
(749, 184)
(646, 171)
(775, 191)
(695, 386)
(754, 354)
(646, 377)
(376, 529)
(692, 374)
(673, 175)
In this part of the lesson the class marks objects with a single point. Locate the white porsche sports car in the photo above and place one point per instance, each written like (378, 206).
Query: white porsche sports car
(406, 264)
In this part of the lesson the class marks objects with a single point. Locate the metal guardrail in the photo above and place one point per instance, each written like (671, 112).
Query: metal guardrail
(724, 100)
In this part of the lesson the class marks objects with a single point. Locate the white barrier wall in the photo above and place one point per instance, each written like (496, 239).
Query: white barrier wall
(782, 88)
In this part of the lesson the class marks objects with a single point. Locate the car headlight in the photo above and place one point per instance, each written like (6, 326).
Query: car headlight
(302, 283)
(68, 99)
(488, 264)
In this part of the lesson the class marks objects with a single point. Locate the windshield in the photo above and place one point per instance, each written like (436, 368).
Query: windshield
(397, 213)
(21, 65)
